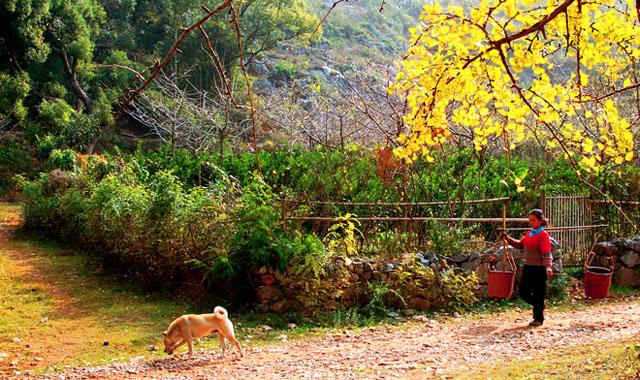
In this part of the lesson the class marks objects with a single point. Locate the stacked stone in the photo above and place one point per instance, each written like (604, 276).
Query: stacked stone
(278, 292)
(625, 260)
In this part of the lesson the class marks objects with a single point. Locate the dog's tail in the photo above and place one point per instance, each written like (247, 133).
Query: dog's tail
(220, 312)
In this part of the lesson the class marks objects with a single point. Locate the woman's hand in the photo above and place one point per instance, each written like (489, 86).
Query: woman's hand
(549, 272)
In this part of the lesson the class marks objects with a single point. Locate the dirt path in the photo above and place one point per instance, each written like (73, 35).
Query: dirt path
(422, 348)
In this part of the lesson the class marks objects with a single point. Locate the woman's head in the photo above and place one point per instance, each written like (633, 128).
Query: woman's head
(537, 219)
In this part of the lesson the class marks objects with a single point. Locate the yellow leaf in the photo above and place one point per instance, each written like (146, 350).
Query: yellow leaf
(584, 79)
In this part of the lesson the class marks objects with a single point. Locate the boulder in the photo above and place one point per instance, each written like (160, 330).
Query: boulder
(471, 265)
(267, 279)
(258, 68)
(419, 303)
(482, 272)
(605, 249)
(263, 87)
(632, 244)
(285, 306)
(357, 267)
(266, 294)
(627, 277)
(459, 258)
(631, 259)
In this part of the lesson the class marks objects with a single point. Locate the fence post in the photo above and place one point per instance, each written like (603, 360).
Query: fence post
(410, 222)
(543, 204)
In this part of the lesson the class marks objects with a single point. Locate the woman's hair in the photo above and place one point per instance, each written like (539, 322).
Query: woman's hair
(540, 215)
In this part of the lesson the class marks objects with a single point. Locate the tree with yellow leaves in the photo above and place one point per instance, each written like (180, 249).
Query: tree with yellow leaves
(551, 70)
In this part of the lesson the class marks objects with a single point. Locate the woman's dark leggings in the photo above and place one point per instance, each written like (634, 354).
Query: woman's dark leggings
(533, 288)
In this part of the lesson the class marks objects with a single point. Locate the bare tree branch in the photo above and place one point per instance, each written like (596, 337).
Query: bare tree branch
(173, 49)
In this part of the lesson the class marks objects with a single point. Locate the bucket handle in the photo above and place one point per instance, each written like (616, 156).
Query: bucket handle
(592, 254)
(510, 261)
(507, 257)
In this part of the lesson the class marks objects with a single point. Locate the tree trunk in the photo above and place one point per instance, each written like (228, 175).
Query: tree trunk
(80, 94)
(77, 89)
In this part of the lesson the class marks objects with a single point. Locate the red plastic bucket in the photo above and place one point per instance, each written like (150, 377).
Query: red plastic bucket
(597, 281)
(500, 283)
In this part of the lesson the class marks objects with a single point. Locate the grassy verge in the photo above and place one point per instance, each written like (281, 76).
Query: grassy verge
(55, 311)
(604, 360)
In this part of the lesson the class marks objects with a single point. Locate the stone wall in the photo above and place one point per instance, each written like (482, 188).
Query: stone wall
(347, 282)
(478, 262)
(623, 255)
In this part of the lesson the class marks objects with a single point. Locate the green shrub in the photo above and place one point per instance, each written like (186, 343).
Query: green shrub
(63, 159)
(447, 239)
(144, 214)
(47, 144)
(557, 286)
(285, 70)
(457, 287)
(259, 239)
(15, 158)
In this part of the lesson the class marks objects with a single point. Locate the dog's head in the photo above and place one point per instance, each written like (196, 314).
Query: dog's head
(168, 343)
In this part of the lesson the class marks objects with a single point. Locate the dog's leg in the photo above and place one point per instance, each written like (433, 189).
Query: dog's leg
(232, 336)
(190, 343)
(180, 343)
(223, 340)
(235, 341)
(223, 343)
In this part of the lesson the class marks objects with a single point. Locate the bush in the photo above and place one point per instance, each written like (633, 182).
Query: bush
(15, 158)
(63, 159)
(284, 70)
(557, 286)
(144, 215)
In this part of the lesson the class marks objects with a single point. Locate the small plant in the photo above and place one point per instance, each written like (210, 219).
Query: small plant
(446, 239)
(310, 256)
(285, 70)
(342, 237)
(575, 272)
(557, 286)
(379, 293)
(457, 288)
(632, 358)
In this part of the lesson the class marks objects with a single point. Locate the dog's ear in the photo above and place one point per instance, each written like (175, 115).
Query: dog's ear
(164, 333)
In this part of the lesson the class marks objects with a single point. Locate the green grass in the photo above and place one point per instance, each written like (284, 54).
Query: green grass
(604, 360)
(63, 312)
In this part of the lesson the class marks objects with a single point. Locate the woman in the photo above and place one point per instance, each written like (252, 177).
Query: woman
(537, 264)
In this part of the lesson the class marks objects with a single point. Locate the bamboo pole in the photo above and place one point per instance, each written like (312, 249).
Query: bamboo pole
(414, 219)
(504, 238)
(590, 226)
(410, 204)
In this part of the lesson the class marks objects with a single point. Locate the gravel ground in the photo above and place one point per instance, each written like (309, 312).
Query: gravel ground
(424, 348)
